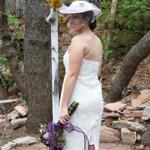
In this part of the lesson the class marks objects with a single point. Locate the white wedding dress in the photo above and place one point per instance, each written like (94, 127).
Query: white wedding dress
(88, 115)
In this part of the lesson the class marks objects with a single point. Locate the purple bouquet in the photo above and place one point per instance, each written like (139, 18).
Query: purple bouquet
(53, 135)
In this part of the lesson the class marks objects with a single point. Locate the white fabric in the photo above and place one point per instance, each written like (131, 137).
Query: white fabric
(88, 115)
(80, 7)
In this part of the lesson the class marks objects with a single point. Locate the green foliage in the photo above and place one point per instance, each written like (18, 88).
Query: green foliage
(131, 14)
(6, 72)
(108, 51)
(105, 6)
(23, 101)
(10, 82)
(3, 61)
(11, 19)
(132, 21)
(17, 34)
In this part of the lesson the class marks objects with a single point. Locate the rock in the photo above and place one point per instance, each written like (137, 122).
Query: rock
(131, 119)
(2, 110)
(146, 113)
(140, 147)
(143, 105)
(8, 104)
(132, 113)
(18, 122)
(2, 116)
(111, 115)
(127, 99)
(142, 98)
(2, 120)
(138, 137)
(13, 115)
(146, 137)
(117, 107)
(114, 146)
(131, 107)
(146, 148)
(19, 141)
(4, 124)
(127, 136)
(128, 124)
(22, 110)
(25, 140)
(37, 146)
(8, 146)
(109, 135)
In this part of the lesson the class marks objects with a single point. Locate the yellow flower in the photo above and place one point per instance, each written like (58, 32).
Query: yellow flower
(54, 3)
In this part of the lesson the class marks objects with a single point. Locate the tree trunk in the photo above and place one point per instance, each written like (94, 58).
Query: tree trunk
(4, 85)
(130, 63)
(111, 21)
(9, 50)
(37, 64)
(2, 4)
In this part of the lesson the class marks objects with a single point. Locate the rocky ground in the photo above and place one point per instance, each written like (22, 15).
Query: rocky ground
(27, 143)
(125, 124)
(104, 146)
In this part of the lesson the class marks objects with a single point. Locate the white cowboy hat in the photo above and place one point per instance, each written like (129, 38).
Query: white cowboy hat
(80, 7)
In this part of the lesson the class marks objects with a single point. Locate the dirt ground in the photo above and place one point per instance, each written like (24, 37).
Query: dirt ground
(140, 81)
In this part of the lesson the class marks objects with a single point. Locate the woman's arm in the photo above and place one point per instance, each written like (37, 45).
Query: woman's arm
(76, 50)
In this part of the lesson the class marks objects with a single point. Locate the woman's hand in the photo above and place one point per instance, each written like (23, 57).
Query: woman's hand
(63, 115)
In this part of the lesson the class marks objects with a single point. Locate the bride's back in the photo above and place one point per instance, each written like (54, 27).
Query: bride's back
(93, 50)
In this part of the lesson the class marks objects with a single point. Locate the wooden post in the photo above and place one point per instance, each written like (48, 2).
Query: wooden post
(55, 63)
(53, 19)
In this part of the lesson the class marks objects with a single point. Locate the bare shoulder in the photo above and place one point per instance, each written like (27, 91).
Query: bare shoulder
(76, 50)
(77, 38)
(98, 39)
(77, 42)
(99, 42)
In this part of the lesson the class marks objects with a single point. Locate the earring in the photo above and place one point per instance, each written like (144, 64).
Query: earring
(84, 25)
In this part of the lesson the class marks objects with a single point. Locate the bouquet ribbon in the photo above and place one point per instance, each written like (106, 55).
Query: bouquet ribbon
(69, 127)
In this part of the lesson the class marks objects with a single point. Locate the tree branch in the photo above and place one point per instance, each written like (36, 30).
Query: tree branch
(130, 63)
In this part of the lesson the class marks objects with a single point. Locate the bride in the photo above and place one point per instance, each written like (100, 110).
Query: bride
(82, 62)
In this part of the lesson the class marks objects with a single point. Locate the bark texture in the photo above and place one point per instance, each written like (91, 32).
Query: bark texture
(37, 64)
(130, 63)
(2, 4)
